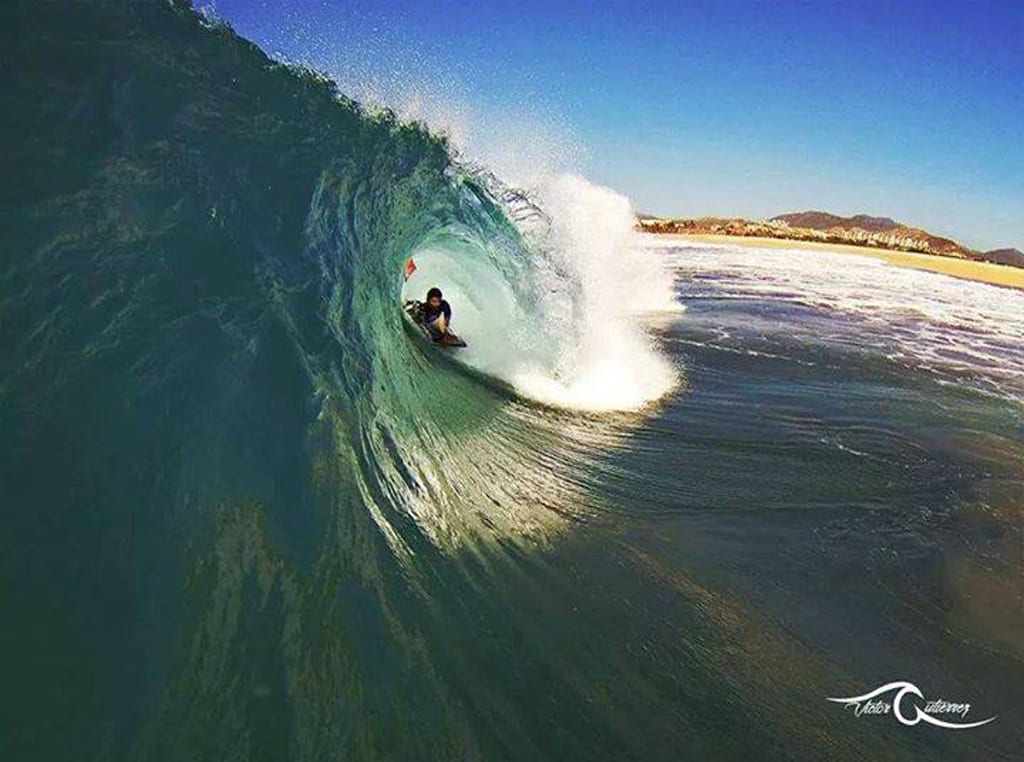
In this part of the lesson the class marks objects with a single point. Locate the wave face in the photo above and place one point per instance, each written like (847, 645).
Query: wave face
(220, 441)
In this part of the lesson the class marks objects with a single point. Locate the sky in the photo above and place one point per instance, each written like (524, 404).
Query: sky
(910, 109)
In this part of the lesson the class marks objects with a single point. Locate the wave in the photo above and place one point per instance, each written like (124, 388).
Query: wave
(207, 378)
(536, 259)
(212, 256)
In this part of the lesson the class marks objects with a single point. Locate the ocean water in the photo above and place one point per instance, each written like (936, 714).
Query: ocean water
(246, 515)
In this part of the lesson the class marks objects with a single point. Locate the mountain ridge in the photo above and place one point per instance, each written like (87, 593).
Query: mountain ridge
(825, 227)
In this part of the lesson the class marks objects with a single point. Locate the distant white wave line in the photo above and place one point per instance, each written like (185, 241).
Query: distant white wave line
(929, 318)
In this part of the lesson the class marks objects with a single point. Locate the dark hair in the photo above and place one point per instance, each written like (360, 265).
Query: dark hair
(435, 291)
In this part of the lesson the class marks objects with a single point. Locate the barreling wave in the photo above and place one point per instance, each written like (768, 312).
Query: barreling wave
(204, 366)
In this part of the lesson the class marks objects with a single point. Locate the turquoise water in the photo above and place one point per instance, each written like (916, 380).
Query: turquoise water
(247, 516)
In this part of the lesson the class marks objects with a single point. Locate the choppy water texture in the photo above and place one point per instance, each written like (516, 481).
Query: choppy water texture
(247, 516)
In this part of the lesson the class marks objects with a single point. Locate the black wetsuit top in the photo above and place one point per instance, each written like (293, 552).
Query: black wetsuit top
(430, 314)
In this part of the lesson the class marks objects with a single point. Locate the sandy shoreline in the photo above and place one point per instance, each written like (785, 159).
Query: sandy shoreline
(986, 272)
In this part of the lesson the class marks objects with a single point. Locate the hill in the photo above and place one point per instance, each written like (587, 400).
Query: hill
(824, 227)
(1012, 257)
(826, 221)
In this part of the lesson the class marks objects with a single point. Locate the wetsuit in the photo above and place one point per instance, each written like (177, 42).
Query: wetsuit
(431, 314)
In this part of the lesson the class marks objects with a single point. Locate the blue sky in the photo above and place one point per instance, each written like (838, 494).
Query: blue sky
(910, 109)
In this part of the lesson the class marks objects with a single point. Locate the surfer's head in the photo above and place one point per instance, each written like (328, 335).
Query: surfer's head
(434, 297)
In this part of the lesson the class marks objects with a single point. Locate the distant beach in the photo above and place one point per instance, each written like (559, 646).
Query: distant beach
(986, 272)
